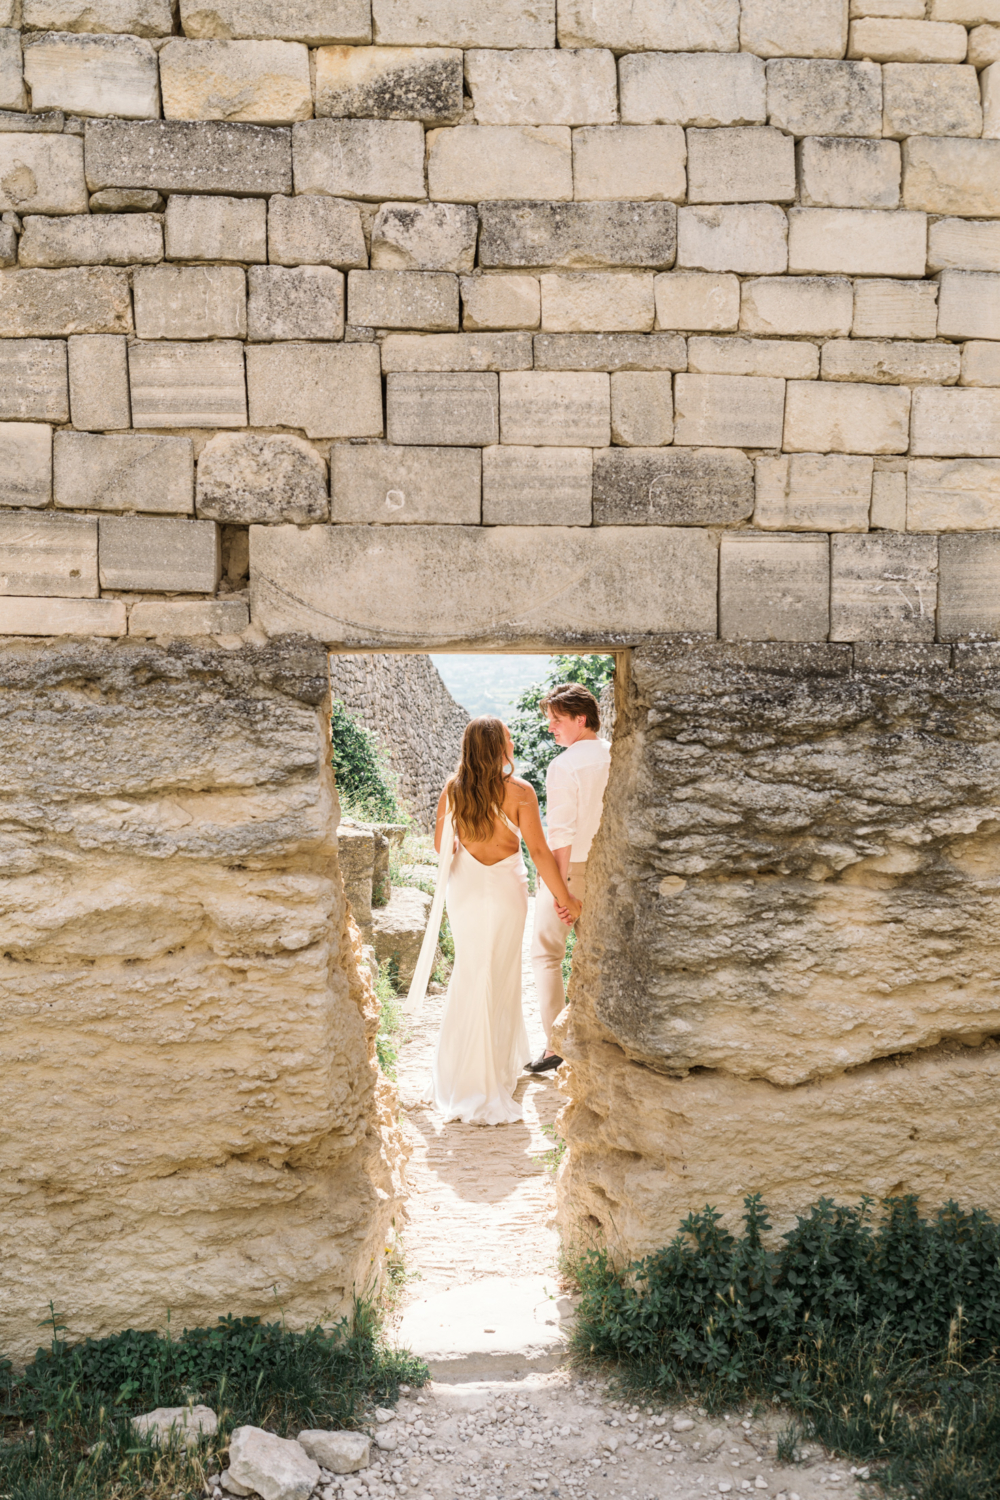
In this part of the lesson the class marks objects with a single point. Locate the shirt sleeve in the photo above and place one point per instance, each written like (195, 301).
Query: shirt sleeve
(563, 799)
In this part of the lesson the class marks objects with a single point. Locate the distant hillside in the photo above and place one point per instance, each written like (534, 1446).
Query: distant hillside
(489, 684)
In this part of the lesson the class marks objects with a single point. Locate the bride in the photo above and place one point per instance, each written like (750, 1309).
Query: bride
(484, 812)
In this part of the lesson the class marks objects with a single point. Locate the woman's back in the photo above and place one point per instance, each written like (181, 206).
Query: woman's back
(503, 840)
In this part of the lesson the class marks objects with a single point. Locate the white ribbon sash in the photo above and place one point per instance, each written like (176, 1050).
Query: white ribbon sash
(425, 963)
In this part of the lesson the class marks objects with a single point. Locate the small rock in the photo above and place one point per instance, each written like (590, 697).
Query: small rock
(168, 1425)
(724, 1486)
(760, 1482)
(383, 1414)
(387, 1439)
(276, 1468)
(340, 1452)
(126, 201)
(232, 1486)
(682, 1424)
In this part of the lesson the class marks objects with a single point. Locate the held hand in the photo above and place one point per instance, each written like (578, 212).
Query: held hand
(569, 913)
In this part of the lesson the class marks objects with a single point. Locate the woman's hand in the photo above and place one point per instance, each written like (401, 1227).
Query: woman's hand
(571, 912)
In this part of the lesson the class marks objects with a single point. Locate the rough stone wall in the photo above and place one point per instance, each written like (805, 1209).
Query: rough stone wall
(404, 701)
(788, 978)
(191, 1116)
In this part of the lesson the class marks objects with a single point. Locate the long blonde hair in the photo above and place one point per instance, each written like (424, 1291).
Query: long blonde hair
(477, 789)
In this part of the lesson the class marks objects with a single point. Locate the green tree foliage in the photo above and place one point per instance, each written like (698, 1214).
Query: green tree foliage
(533, 743)
(366, 784)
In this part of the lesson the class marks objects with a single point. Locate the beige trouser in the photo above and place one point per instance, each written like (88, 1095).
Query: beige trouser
(548, 946)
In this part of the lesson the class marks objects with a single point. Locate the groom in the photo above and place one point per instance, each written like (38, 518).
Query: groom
(574, 786)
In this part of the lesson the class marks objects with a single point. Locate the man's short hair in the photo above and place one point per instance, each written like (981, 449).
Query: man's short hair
(569, 700)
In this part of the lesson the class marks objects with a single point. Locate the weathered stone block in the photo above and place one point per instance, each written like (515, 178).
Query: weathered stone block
(578, 236)
(245, 478)
(8, 246)
(699, 26)
(163, 617)
(896, 363)
(448, 410)
(964, 245)
(543, 86)
(359, 158)
(56, 303)
(139, 17)
(381, 484)
(855, 241)
(888, 41)
(949, 175)
(474, 162)
(590, 586)
(43, 617)
(222, 80)
(989, 85)
(813, 492)
(92, 75)
(692, 88)
(694, 299)
(750, 239)
(33, 381)
(123, 200)
(188, 156)
(44, 555)
(42, 174)
(425, 237)
(613, 351)
(147, 552)
(930, 99)
(329, 391)
(797, 305)
(313, 21)
(961, 494)
(883, 587)
(984, 46)
(389, 83)
(638, 162)
(966, 12)
(970, 305)
(672, 487)
(537, 486)
(956, 422)
(559, 410)
(452, 23)
(25, 463)
(794, 28)
(126, 472)
(836, 173)
(91, 239)
(895, 309)
(830, 417)
(403, 299)
(774, 587)
(580, 302)
(405, 352)
(187, 385)
(207, 228)
(98, 382)
(969, 587)
(728, 411)
(787, 359)
(315, 230)
(980, 363)
(888, 508)
(190, 302)
(12, 95)
(742, 164)
(295, 302)
(642, 409)
(811, 96)
(501, 302)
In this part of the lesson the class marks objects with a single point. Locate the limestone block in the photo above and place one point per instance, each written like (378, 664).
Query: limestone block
(314, 230)
(813, 492)
(376, 484)
(587, 585)
(405, 352)
(651, 26)
(52, 304)
(797, 305)
(403, 299)
(642, 409)
(692, 88)
(750, 239)
(222, 80)
(327, 390)
(970, 305)
(794, 28)
(98, 382)
(811, 96)
(613, 351)
(537, 486)
(245, 478)
(209, 228)
(274, 1468)
(888, 511)
(695, 299)
(834, 417)
(161, 554)
(949, 175)
(359, 158)
(741, 164)
(124, 200)
(25, 463)
(728, 411)
(92, 75)
(578, 236)
(774, 587)
(638, 162)
(137, 17)
(316, 22)
(42, 174)
(856, 241)
(389, 83)
(883, 587)
(474, 162)
(12, 95)
(295, 302)
(124, 472)
(895, 309)
(190, 302)
(981, 363)
(338, 1452)
(448, 410)
(43, 555)
(543, 86)
(33, 381)
(956, 422)
(398, 931)
(45, 617)
(8, 246)
(188, 156)
(969, 587)
(580, 302)
(540, 408)
(452, 23)
(984, 46)
(425, 237)
(784, 358)
(959, 494)
(896, 363)
(91, 239)
(171, 617)
(501, 302)
(888, 41)
(187, 385)
(672, 487)
(935, 99)
(990, 86)
(966, 12)
(837, 173)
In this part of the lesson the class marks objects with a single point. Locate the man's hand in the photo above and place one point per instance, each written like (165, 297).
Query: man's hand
(571, 913)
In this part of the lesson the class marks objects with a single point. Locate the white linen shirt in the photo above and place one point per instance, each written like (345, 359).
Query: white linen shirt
(574, 786)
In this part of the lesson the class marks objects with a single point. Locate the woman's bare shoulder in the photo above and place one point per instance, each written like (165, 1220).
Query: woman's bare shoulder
(523, 790)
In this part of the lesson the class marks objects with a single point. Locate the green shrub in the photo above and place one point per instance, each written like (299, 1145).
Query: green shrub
(533, 744)
(366, 784)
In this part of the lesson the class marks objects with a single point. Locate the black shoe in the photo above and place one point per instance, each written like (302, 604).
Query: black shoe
(543, 1064)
